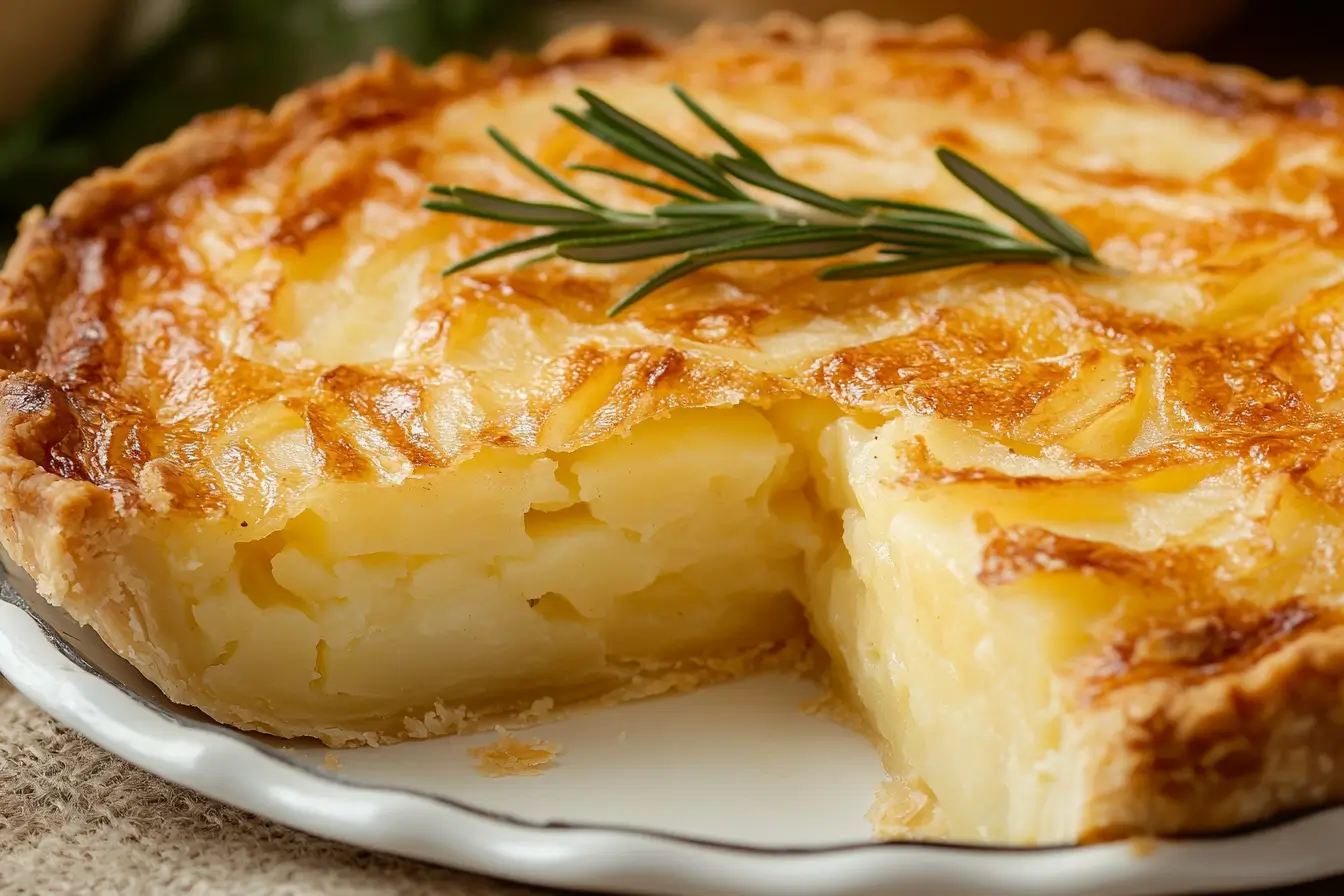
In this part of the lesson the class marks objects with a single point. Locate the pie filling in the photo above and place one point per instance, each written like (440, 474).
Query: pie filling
(696, 547)
(505, 580)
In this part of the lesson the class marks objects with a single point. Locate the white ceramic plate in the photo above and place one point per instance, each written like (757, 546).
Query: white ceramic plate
(730, 790)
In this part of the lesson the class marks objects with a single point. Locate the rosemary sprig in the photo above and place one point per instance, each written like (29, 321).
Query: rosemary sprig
(710, 218)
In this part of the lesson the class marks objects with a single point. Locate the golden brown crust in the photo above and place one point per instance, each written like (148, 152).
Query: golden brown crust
(118, 381)
(1242, 743)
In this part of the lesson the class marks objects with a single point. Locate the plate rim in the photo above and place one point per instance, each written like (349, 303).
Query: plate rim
(55, 675)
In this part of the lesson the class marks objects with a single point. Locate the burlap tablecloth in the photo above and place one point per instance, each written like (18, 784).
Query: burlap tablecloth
(75, 819)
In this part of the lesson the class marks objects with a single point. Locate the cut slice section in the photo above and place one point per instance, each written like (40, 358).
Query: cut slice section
(1052, 648)
(655, 561)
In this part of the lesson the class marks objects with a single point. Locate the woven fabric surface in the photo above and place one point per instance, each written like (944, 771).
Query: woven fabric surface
(75, 819)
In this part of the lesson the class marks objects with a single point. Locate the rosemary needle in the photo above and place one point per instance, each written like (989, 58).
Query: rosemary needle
(710, 219)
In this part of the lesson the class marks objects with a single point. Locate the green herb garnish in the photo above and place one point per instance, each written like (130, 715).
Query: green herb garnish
(709, 218)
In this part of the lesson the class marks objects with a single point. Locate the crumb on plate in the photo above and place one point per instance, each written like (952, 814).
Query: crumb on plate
(904, 809)
(1143, 846)
(508, 756)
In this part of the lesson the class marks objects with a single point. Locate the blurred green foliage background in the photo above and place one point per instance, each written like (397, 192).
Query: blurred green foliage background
(219, 53)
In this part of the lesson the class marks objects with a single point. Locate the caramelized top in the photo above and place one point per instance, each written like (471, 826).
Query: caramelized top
(258, 303)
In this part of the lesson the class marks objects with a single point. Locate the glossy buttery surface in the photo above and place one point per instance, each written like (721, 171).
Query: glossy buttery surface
(1069, 541)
